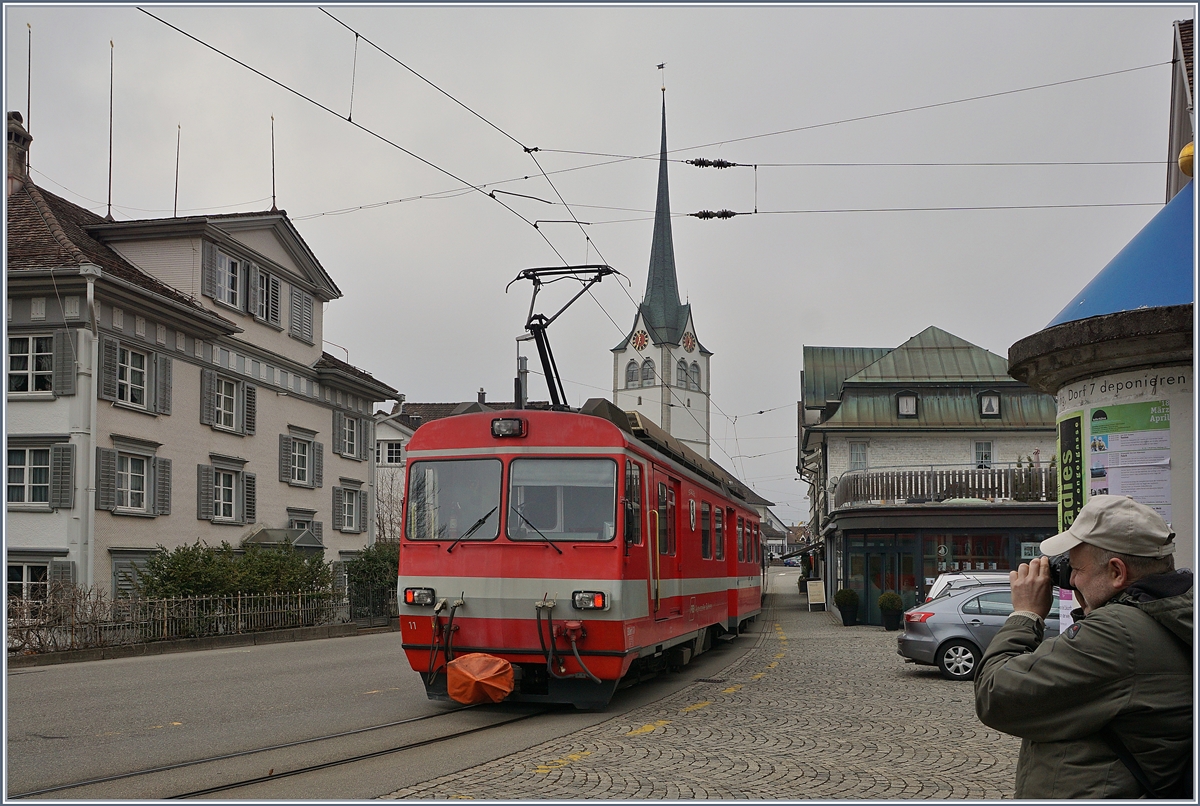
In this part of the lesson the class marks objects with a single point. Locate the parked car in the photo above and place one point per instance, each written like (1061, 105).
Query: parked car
(953, 631)
(956, 580)
(792, 562)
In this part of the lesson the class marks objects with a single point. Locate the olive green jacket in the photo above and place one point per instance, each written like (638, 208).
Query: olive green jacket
(1127, 664)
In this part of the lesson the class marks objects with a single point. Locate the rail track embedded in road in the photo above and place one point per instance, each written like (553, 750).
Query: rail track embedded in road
(283, 746)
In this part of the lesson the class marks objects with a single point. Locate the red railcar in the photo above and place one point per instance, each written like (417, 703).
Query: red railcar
(582, 547)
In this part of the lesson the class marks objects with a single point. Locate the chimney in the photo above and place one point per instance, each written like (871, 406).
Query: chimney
(482, 396)
(18, 152)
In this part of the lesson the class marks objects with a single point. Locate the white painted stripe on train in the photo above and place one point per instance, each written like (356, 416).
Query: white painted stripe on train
(513, 597)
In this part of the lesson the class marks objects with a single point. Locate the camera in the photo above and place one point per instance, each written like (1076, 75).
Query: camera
(1060, 571)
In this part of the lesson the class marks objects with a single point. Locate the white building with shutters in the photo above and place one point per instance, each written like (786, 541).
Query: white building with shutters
(166, 384)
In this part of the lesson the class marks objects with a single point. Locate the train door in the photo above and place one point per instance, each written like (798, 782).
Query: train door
(665, 570)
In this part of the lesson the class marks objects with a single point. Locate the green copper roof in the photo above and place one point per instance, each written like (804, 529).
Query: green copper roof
(933, 355)
(827, 368)
(946, 408)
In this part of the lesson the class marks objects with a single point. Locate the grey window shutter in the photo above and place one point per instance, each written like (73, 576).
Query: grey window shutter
(106, 479)
(366, 443)
(204, 492)
(318, 530)
(252, 289)
(339, 578)
(318, 465)
(208, 397)
(339, 433)
(162, 486)
(62, 475)
(308, 317)
(285, 458)
(162, 384)
(108, 368)
(63, 380)
(208, 270)
(295, 318)
(249, 409)
(337, 509)
(125, 577)
(250, 498)
(62, 572)
(274, 315)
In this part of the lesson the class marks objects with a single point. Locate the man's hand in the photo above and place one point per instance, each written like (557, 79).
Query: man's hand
(1032, 587)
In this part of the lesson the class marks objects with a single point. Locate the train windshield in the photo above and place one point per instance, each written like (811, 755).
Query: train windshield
(449, 499)
(562, 499)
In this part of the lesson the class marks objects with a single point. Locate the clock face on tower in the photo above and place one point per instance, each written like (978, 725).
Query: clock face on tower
(640, 340)
(689, 341)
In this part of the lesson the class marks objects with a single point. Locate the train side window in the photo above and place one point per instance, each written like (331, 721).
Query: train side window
(633, 503)
(670, 521)
(719, 533)
(662, 518)
(706, 530)
(741, 540)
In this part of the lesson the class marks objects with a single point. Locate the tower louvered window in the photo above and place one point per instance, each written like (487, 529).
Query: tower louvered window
(647, 373)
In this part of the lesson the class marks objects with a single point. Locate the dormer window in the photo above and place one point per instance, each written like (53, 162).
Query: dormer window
(906, 404)
(989, 405)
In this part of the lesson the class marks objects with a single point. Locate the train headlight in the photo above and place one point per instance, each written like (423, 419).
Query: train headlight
(508, 427)
(589, 600)
(421, 597)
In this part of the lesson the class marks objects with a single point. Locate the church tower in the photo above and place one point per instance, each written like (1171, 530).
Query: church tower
(660, 370)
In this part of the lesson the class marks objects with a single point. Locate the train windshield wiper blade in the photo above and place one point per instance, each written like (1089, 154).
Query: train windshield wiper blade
(471, 531)
(539, 531)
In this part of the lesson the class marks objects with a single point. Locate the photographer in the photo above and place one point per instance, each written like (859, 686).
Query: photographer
(1104, 710)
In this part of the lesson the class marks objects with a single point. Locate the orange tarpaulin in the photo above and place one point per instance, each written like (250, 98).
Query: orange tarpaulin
(478, 677)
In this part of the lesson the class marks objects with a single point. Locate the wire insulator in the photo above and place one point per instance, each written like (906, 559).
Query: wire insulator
(707, 214)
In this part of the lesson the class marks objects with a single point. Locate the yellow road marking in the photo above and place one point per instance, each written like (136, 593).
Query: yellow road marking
(381, 690)
(697, 706)
(559, 763)
(781, 654)
(772, 665)
(758, 676)
(732, 689)
(648, 728)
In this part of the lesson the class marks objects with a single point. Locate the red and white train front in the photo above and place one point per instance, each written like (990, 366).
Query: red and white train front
(562, 544)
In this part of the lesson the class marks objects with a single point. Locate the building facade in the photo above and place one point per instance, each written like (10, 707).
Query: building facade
(922, 459)
(166, 384)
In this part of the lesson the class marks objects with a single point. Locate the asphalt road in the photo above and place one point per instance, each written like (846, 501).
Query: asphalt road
(81, 721)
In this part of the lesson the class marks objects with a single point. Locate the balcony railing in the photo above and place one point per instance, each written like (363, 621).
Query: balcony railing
(918, 486)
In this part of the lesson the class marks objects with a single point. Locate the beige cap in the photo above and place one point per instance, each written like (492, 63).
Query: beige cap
(1115, 523)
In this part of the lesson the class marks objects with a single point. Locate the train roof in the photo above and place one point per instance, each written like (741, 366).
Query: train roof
(649, 433)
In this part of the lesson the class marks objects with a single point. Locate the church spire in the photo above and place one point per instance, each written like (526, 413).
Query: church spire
(661, 305)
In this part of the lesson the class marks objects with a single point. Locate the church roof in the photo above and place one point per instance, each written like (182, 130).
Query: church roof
(664, 315)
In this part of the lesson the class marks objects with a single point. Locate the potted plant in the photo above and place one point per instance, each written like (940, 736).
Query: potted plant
(891, 606)
(846, 601)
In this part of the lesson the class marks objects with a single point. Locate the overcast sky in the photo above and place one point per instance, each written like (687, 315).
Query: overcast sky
(423, 260)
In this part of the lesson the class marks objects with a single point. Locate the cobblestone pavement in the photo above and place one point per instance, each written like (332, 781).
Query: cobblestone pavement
(814, 710)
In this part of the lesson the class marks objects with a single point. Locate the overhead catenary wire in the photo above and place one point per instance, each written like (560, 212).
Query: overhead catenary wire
(359, 126)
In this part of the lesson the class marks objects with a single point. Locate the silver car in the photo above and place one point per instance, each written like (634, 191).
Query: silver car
(953, 631)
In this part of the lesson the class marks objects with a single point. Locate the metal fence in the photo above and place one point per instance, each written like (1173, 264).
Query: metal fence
(914, 486)
(77, 618)
(373, 607)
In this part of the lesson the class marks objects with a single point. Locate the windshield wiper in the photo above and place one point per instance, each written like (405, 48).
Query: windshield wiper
(539, 531)
(471, 531)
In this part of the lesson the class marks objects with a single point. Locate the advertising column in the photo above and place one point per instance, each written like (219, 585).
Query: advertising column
(1129, 434)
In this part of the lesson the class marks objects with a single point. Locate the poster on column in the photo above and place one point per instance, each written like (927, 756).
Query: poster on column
(1129, 453)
